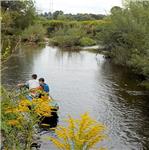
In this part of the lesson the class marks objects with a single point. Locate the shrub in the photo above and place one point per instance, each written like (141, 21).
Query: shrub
(19, 118)
(65, 41)
(67, 37)
(127, 36)
(34, 33)
(75, 30)
(86, 41)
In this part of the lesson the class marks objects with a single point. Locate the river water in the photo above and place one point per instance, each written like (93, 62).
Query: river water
(83, 82)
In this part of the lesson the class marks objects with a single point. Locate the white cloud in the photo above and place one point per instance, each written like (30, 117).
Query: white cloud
(77, 6)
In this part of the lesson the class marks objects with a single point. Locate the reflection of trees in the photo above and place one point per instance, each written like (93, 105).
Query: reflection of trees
(131, 112)
(20, 65)
(68, 54)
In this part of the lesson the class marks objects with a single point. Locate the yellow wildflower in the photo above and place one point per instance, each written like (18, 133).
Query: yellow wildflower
(22, 109)
(43, 109)
(62, 133)
(46, 98)
(10, 110)
(95, 140)
(13, 122)
(84, 133)
(25, 102)
(57, 143)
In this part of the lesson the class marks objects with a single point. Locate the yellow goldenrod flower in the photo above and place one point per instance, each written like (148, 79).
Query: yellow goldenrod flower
(58, 143)
(12, 122)
(22, 109)
(83, 133)
(9, 110)
(25, 102)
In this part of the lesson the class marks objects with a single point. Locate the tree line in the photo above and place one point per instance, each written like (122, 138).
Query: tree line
(60, 15)
(124, 32)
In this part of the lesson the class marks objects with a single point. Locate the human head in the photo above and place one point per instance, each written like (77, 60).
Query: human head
(34, 76)
(41, 80)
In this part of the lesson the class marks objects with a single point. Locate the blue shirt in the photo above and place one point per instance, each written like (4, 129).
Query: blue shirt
(45, 87)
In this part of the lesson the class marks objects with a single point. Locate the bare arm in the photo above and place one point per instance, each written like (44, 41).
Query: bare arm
(20, 84)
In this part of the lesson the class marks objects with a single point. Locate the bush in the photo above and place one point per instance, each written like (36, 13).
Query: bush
(127, 36)
(34, 33)
(87, 30)
(67, 37)
(86, 41)
(65, 41)
(20, 118)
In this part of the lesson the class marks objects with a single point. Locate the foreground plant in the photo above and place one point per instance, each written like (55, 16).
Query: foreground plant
(80, 134)
(20, 118)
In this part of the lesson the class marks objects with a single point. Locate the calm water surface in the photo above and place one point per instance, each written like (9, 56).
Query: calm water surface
(83, 82)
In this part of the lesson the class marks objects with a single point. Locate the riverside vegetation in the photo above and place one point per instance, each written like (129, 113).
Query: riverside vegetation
(127, 37)
(21, 118)
(22, 23)
(124, 33)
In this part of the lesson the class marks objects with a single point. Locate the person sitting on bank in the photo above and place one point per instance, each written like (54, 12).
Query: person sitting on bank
(44, 85)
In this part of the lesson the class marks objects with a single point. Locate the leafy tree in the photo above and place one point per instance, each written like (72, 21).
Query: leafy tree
(16, 16)
(60, 15)
(57, 13)
(127, 36)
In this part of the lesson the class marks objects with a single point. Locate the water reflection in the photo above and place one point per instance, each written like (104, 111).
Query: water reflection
(127, 114)
(82, 81)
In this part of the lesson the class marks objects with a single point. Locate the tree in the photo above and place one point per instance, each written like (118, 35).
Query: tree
(116, 9)
(22, 12)
(16, 16)
(128, 36)
(57, 13)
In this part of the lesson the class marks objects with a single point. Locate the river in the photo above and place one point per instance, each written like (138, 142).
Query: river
(83, 82)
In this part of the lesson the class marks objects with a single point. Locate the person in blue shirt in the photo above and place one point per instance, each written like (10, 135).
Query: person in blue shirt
(44, 85)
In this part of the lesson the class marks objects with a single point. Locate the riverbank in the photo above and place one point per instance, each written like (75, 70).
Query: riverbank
(81, 83)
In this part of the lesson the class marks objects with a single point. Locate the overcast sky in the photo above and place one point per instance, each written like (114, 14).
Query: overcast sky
(77, 6)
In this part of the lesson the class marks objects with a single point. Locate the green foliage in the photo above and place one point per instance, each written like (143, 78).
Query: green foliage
(21, 13)
(73, 33)
(34, 33)
(21, 117)
(67, 37)
(6, 21)
(86, 41)
(140, 62)
(56, 14)
(16, 16)
(9, 44)
(14, 134)
(128, 34)
(60, 15)
(64, 41)
(145, 84)
(5, 53)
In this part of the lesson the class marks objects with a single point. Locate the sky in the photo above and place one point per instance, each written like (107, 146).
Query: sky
(77, 6)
